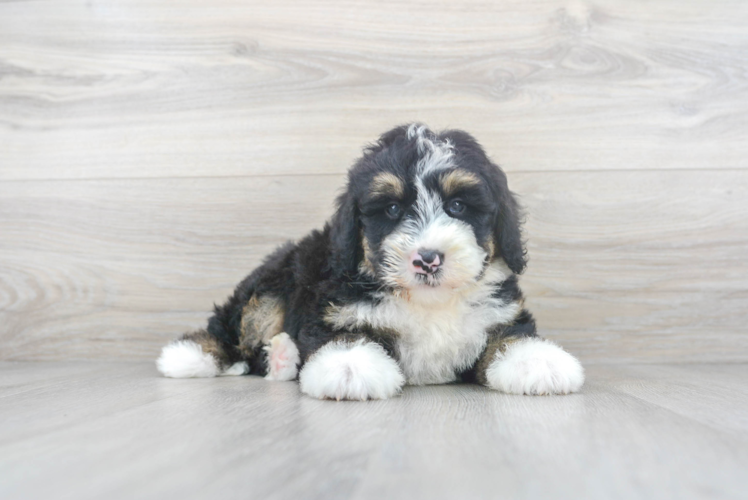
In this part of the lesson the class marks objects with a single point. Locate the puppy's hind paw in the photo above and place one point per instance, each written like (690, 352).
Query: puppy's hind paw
(343, 370)
(185, 359)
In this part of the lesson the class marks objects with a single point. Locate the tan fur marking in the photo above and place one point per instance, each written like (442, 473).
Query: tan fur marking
(262, 319)
(494, 346)
(387, 184)
(455, 180)
(210, 345)
(490, 250)
(366, 264)
(497, 343)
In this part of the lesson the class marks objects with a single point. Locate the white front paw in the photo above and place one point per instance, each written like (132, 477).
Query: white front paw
(351, 370)
(535, 366)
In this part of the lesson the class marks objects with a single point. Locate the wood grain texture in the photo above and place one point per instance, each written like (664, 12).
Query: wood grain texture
(101, 89)
(151, 153)
(624, 266)
(114, 430)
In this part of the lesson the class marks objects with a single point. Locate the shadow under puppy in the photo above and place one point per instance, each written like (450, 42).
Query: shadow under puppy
(414, 280)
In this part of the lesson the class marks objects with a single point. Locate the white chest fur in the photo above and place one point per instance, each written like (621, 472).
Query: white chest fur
(435, 341)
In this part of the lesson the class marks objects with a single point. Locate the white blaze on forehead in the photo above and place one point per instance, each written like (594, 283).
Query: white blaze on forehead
(428, 205)
(434, 154)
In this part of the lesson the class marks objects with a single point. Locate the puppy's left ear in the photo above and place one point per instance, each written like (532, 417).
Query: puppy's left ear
(508, 227)
(344, 236)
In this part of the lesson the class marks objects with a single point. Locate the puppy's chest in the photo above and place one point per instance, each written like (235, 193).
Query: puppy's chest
(433, 344)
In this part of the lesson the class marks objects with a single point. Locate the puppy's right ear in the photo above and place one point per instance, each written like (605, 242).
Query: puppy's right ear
(344, 236)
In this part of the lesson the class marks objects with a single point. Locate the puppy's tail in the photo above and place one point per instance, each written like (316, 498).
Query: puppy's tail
(200, 354)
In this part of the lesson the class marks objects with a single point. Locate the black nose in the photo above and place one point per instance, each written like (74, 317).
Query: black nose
(429, 256)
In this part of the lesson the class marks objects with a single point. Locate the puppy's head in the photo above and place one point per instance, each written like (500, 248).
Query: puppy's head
(426, 213)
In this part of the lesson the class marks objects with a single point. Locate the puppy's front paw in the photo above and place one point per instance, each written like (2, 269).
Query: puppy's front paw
(535, 366)
(351, 370)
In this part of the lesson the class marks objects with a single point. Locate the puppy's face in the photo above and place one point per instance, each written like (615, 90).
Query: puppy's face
(428, 210)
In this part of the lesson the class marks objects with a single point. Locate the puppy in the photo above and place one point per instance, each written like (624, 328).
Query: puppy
(413, 281)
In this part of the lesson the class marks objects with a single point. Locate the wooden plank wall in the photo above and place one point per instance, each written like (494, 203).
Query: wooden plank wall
(151, 152)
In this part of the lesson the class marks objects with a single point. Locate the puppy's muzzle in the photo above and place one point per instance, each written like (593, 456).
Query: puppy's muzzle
(424, 261)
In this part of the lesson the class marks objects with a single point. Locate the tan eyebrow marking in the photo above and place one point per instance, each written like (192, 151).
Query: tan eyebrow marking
(387, 184)
(454, 180)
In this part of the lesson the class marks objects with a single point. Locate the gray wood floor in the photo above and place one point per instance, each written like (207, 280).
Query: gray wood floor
(117, 430)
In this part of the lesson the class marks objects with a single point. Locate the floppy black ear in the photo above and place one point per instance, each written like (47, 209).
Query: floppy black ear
(344, 236)
(507, 229)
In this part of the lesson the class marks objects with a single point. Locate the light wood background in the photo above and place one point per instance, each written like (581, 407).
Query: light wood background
(151, 152)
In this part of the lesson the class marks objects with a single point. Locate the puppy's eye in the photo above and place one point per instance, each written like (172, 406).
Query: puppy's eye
(393, 210)
(455, 207)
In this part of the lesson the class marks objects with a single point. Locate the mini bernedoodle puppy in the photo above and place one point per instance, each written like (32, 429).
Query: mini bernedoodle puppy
(413, 281)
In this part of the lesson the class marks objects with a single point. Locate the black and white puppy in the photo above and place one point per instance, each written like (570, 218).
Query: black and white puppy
(413, 281)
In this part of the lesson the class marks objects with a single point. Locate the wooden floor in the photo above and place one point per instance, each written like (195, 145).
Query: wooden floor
(107, 430)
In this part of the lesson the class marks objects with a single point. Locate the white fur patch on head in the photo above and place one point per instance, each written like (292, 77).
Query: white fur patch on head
(351, 370)
(283, 358)
(185, 359)
(535, 366)
(435, 154)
